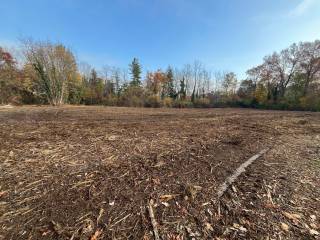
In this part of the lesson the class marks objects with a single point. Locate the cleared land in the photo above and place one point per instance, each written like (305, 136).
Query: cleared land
(90, 173)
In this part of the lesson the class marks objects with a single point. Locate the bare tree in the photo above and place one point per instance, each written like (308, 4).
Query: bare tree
(281, 68)
(229, 83)
(206, 82)
(187, 75)
(219, 77)
(85, 69)
(196, 73)
(116, 79)
(124, 75)
(55, 66)
(310, 62)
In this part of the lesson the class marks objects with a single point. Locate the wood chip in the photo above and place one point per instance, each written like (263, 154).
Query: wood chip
(284, 227)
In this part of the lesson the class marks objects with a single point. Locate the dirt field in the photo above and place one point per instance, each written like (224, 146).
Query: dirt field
(90, 173)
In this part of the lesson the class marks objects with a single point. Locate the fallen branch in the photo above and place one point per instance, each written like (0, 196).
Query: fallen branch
(153, 220)
(231, 179)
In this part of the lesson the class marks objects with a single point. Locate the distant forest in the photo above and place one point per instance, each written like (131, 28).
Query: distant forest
(49, 74)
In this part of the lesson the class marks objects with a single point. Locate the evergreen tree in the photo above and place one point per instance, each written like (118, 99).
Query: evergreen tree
(171, 92)
(135, 69)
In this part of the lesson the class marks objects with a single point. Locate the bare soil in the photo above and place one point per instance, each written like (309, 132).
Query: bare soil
(90, 172)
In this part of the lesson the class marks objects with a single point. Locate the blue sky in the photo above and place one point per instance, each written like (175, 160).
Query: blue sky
(224, 34)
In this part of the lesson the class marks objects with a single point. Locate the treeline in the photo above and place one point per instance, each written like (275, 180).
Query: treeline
(50, 74)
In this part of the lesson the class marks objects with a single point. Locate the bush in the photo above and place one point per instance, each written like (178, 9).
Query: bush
(15, 100)
(201, 103)
(134, 101)
(132, 97)
(152, 101)
(110, 101)
(182, 104)
(167, 102)
(310, 102)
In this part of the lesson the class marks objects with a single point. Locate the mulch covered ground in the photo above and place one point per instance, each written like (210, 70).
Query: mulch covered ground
(91, 173)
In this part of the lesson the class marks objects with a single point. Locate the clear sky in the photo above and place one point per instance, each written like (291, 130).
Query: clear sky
(224, 34)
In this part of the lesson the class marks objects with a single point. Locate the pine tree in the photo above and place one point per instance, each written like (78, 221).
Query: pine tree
(171, 92)
(135, 69)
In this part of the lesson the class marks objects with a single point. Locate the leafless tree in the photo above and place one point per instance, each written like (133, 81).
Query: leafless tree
(219, 77)
(206, 81)
(310, 62)
(116, 78)
(196, 74)
(229, 83)
(55, 66)
(281, 68)
(187, 75)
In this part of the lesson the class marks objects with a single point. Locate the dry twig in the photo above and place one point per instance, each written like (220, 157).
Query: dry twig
(153, 220)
